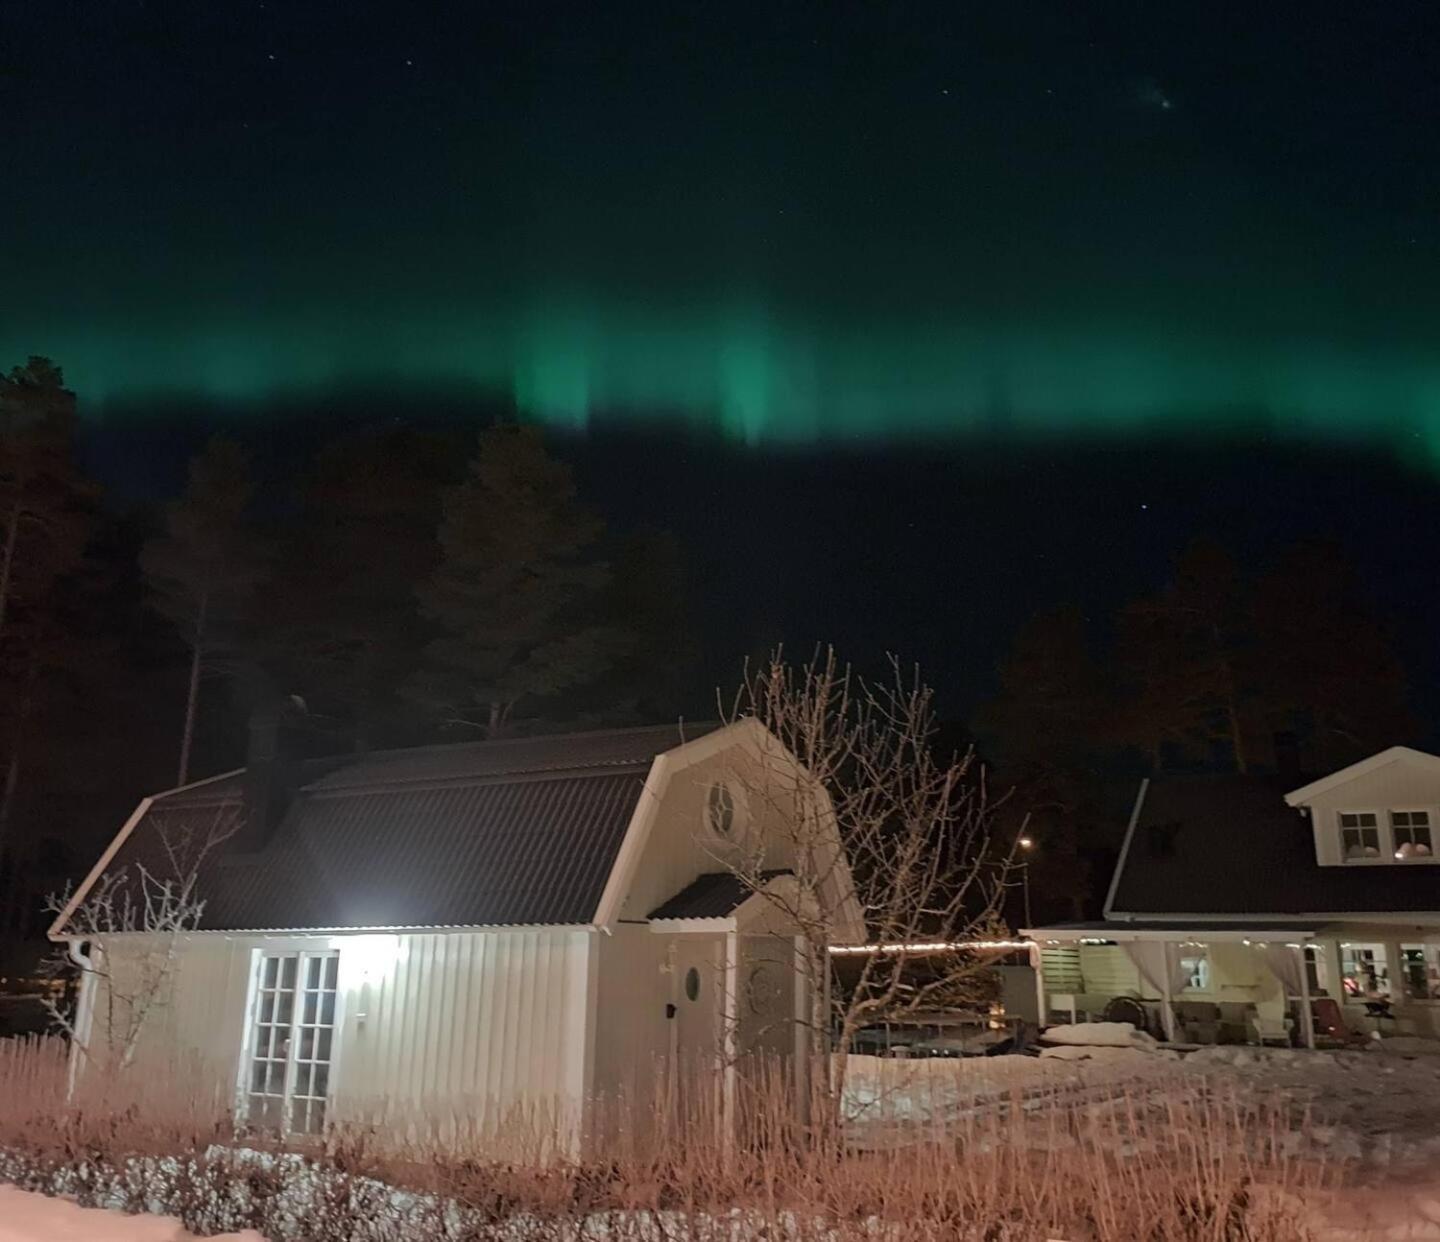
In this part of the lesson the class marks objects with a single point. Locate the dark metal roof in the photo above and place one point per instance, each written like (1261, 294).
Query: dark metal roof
(560, 752)
(1229, 844)
(481, 834)
(715, 895)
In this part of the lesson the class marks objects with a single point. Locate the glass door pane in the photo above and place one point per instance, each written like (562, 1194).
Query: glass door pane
(292, 1041)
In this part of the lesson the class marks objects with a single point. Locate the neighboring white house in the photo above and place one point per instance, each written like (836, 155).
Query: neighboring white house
(1236, 903)
(468, 929)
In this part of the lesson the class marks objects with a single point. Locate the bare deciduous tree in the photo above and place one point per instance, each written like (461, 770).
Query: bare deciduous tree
(132, 920)
(879, 831)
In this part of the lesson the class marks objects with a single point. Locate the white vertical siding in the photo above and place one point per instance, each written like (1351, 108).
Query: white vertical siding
(467, 1023)
(468, 1020)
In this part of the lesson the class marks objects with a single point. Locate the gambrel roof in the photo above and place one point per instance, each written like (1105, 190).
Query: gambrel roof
(503, 833)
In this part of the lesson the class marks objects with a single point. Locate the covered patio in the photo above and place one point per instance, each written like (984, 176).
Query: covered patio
(1188, 983)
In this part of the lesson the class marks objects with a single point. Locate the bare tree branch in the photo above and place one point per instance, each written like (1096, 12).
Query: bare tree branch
(129, 980)
(870, 821)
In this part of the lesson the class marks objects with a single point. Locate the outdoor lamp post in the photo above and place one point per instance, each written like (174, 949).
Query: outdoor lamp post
(1026, 844)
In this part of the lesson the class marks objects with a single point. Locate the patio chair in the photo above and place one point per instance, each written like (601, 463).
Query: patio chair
(1267, 1029)
(1199, 1021)
(1329, 1022)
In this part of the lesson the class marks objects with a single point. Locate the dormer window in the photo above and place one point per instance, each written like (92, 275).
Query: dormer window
(1412, 834)
(1359, 835)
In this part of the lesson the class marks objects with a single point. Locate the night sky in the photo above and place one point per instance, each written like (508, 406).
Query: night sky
(911, 318)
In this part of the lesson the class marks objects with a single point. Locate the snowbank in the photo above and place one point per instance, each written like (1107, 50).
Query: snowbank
(1099, 1035)
(29, 1217)
(1105, 1052)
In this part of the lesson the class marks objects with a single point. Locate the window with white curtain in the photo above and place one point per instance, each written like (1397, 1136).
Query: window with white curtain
(1411, 834)
(1359, 835)
(1364, 970)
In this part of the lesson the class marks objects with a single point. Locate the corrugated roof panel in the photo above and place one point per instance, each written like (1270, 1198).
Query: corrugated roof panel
(714, 895)
(532, 850)
(511, 756)
(521, 831)
(1228, 844)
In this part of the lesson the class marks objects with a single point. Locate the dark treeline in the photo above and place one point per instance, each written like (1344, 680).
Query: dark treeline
(409, 585)
(417, 585)
(1281, 672)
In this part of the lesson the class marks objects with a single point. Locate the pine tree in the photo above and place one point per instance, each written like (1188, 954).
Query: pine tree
(343, 621)
(1184, 660)
(46, 511)
(1043, 732)
(519, 591)
(203, 571)
(1327, 673)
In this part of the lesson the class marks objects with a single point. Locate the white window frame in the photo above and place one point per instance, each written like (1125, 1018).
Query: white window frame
(1199, 977)
(1431, 825)
(1430, 961)
(739, 812)
(1381, 967)
(1379, 829)
(303, 953)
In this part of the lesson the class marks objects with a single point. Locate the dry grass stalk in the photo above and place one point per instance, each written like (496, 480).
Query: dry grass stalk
(1178, 1160)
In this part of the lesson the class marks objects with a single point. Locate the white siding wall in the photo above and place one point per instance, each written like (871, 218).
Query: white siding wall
(681, 848)
(1400, 786)
(632, 1037)
(1108, 971)
(451, 1022)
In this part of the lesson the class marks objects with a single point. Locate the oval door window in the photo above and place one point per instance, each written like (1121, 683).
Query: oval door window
(692, 984)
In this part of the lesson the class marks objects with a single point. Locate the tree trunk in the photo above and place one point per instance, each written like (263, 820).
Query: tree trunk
(7, 790)
(192, 693)
(1237, 745)
(7, 561)
(1232, 713)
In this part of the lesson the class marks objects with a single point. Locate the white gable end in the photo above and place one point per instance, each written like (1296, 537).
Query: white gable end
(1384, 810)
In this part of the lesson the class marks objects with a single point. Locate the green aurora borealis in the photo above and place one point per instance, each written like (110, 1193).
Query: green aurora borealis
(797, 224)
(762, 378)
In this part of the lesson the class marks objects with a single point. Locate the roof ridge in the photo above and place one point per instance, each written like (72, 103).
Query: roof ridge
(519, 776)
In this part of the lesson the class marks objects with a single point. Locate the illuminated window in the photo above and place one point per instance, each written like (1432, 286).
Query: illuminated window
(1359, 835)
(1412, 834)
(1196, 968)
(1420, 971)
(1364, 971)
(292, 1041)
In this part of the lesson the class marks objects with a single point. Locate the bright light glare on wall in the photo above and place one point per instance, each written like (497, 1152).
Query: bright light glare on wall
(371, 958)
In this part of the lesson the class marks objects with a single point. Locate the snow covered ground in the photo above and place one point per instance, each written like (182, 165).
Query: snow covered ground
(1380, 1106)
(28, 1217)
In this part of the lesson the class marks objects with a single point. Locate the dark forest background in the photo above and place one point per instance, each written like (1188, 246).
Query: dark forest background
(455, 579)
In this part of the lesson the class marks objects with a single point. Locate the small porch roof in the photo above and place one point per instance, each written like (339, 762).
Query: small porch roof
(1258, 929)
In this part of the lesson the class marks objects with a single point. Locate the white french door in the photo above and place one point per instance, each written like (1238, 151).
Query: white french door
(292, 1041)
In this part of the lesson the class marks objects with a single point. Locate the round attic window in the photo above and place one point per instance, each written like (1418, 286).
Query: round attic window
(720, 811)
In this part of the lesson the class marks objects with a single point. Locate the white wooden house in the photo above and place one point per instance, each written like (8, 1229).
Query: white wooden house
(469, 928)
(1244, 908)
